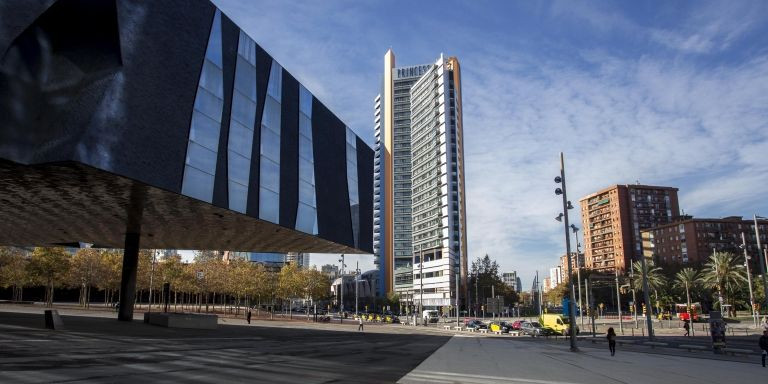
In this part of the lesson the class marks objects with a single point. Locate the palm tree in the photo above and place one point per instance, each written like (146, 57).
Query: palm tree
(656, 279)
(725, 272)
(687, 278)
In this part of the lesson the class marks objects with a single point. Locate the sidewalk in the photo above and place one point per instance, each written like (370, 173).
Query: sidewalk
(498, 361)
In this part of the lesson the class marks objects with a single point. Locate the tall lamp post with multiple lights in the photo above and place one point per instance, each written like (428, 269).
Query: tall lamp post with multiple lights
(564, 218)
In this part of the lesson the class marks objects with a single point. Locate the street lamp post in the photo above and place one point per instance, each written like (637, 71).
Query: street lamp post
(618, 300)
(688, 309)
(357, 282)
(762, 259)
(421, 282)
(457, 299)
(566, 206)
(749, 278)
(341, 289)
(151, 277)
(647, 298)
(578, 271)
(632, 286)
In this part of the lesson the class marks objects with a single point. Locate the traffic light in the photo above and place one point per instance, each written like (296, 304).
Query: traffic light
(643, 309)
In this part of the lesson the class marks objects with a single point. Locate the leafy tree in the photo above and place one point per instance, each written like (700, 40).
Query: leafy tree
(109, 273)
(49, 267)
(290, 283)
(318, 286)
(724, 272)
(206, 255)
(240, 280)
(484, 278)
(13, 265)
(84, 270)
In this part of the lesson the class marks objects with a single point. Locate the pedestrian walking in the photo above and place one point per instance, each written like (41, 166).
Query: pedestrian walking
(248, 316)
(764, 345)
(611, 336)
(360, 324)
(687, 328)
(765, 323)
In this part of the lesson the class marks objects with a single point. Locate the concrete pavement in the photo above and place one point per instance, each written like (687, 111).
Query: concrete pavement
(501, 361)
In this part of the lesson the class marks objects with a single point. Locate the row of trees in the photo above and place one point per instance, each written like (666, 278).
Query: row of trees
(207, 281)
(721, 280)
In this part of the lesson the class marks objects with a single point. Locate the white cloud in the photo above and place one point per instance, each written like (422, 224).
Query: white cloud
(711, 27)
(657, 121)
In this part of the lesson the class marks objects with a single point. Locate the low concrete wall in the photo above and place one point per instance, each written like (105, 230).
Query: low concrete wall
(181, 320)
(53, 320)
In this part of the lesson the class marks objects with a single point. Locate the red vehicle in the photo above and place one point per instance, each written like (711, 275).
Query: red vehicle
(517, 325)
(682, 311)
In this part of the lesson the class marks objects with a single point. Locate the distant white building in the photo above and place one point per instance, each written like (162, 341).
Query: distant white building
(511, 280)
(555, 276)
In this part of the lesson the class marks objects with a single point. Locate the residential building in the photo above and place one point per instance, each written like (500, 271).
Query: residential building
(692, 241)
(547, 284)
(612, 219)
(419, 207)
(577, 260)
(556, 276)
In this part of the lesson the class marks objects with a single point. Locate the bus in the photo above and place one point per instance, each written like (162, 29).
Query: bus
(682, 311)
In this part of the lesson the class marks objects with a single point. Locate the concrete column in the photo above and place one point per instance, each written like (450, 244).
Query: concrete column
(128, 282)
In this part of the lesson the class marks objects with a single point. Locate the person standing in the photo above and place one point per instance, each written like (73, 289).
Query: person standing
(611, 336)
(687, 328)
(248, 316)
(360, 324)
(764, 345)
(765, 323)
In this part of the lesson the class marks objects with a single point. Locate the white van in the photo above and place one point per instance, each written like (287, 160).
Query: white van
(430, 316)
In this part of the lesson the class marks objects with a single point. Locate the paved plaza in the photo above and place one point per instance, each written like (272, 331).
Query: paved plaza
(94, 347)
(101, 349)
(494, 360)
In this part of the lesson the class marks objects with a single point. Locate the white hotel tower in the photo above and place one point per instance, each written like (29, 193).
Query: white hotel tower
(419, 207)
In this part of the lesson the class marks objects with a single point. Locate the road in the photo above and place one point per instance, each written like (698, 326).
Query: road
(101, 349)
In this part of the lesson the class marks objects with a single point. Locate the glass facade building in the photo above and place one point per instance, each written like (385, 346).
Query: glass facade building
(206, 144)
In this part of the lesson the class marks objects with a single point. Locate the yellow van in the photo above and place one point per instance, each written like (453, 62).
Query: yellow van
(556, 322)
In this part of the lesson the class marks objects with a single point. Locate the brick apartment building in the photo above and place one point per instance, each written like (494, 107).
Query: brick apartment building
(692, 241)
(613, 217)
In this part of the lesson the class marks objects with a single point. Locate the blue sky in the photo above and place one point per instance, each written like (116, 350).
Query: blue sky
(665, 93)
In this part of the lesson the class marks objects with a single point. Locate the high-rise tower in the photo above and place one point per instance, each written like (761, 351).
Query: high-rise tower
(419, 208)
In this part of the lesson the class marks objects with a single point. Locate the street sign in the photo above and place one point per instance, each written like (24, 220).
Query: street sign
(494, 304)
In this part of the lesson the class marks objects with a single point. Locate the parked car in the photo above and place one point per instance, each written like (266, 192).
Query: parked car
(477, 324)
(533, 328)
(502, 326)
(517, 324)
